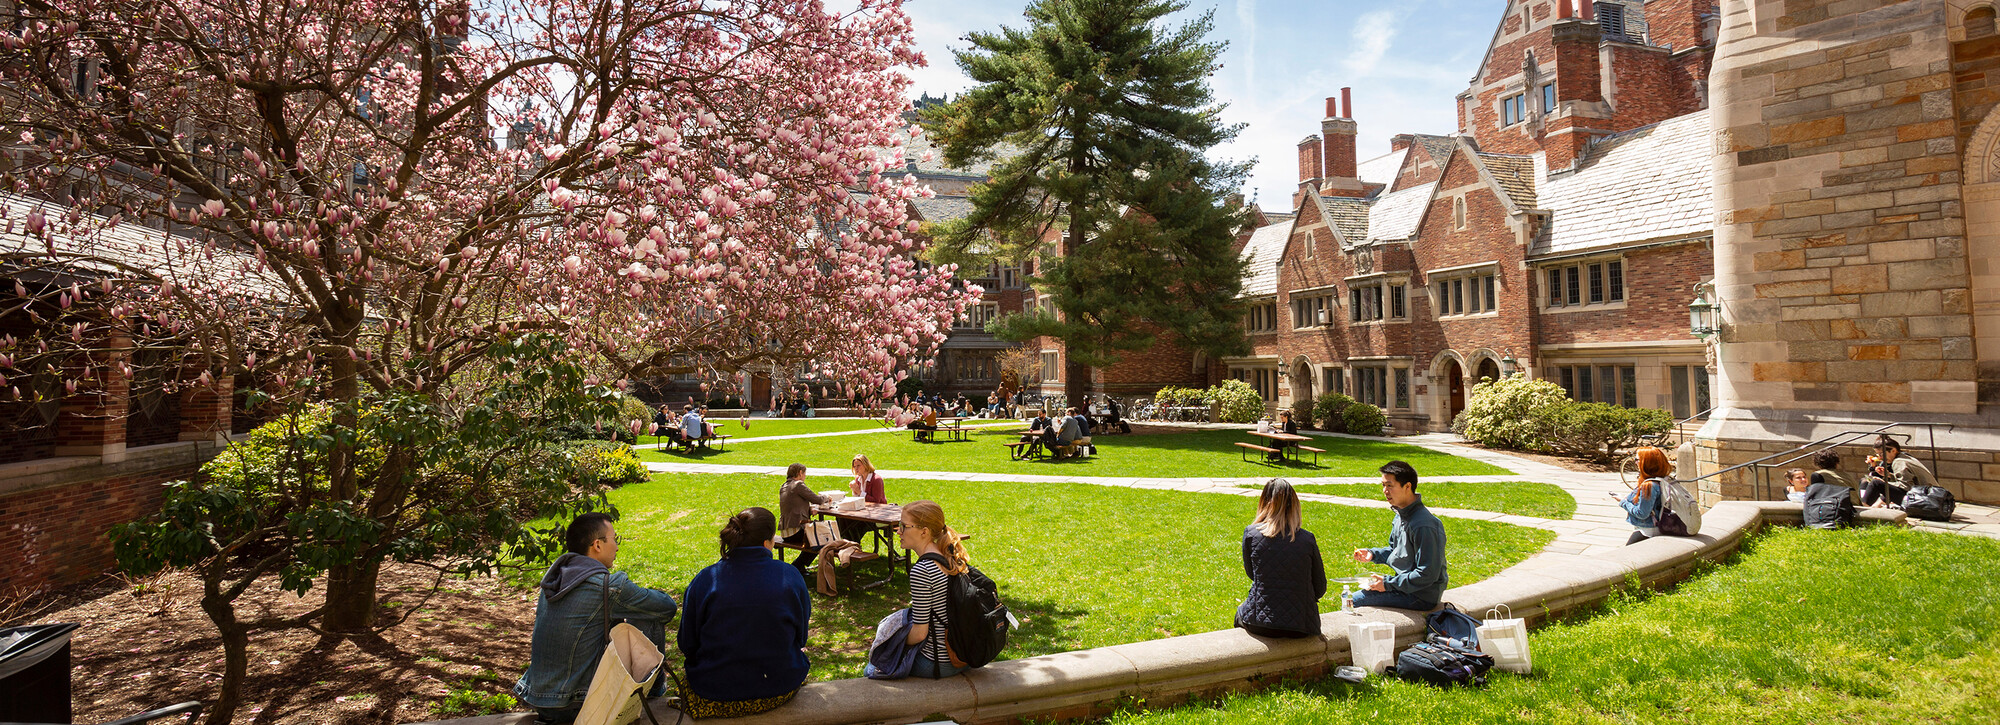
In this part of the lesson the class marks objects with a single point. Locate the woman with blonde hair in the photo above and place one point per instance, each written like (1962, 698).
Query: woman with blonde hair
(867, 483)
(925, 534)
(1287, 577)
(1644, 504)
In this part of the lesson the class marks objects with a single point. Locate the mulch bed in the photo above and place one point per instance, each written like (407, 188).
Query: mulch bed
(148, 644)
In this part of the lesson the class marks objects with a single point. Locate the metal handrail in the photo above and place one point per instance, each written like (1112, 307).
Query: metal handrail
(1684, 421)
(1802, 450)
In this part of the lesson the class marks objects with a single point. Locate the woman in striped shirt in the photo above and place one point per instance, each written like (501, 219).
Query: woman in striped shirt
(923, 531)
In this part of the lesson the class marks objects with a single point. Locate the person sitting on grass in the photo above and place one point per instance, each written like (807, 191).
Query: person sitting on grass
(1415, 550)
(795, 508)
(929, 540)
(1287, 577)
(569, 633)
(743, 625)
(1893, 475)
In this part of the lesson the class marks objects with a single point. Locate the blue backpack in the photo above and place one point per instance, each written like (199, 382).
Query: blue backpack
(1457, 628)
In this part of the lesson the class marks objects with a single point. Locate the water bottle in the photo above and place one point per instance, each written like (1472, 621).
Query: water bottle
(1346, 598)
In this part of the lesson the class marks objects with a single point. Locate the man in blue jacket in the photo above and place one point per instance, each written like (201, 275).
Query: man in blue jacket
(569, 619)
(1415, 550)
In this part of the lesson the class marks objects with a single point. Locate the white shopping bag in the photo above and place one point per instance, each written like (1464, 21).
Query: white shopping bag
(1505, 637)
(628, 669)
(1373, 645)
(822, 533)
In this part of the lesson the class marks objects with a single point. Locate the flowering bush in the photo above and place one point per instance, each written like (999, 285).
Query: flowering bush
(1236, 402)
(1507, 413)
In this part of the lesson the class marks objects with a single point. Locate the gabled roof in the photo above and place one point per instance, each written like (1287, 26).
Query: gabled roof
(1649, 183)
(940, 209)
(1395, 216)
(1439, 147)
(1347, 215)
(1260, 258)
(1382, 169)
(1515, 175)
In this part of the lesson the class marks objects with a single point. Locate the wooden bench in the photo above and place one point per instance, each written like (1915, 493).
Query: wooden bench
(1019, 450)
(1312, 450)
(1246, 448)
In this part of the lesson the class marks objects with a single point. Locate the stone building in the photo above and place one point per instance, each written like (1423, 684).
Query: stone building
(1858, 230)
(1561, 233)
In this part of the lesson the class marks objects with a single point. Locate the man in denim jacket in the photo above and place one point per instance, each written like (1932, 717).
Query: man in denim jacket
(569, 619)
(1415, 550)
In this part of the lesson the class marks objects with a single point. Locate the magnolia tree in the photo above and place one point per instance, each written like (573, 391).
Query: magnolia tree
(683, 185)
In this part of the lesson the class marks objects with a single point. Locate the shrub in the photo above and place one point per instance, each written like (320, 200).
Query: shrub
(1363, 419)
(1506, 413)
(1328, 408)
(1236, 402)
(1598, 431)
(1172, 395)
(605, 463)
(1302, 413)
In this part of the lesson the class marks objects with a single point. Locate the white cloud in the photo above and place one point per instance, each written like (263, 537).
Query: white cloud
(1246, 22)
(1373, 32)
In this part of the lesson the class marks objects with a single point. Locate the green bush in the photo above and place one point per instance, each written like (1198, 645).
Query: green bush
(1597, 431)
(1328, 409)
(1506, 413)
(1363, 419)
(1236, 402)
(1172, 395)
(1302, 413)
(605, 463)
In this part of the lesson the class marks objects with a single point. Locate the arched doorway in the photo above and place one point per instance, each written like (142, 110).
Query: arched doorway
(1301, 376)
(1455, 379)
(1487, 369)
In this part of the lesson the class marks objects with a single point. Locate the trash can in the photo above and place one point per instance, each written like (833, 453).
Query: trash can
(34, 673)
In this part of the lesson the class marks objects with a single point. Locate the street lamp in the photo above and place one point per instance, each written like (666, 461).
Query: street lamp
(1704, 314)
(1509, 365)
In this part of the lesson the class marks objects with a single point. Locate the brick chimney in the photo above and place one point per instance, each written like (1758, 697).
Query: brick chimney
(1401, 141)
(1338, 131)
(1578, 77)
(1310, 163)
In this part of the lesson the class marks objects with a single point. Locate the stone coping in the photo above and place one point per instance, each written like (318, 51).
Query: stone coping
(1090, 682)
(41, 473)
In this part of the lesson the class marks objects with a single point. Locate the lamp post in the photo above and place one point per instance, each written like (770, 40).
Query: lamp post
(1704, 314)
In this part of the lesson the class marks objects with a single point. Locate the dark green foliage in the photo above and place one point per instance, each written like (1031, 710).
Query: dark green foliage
(1363, 419)
(1598, 431)
(1103, 114)
(1328, 410)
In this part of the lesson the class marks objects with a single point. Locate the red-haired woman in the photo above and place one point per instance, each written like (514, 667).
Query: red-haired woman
(1645, 503)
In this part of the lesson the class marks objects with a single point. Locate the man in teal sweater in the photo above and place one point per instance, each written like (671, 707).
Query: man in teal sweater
(1415, 550)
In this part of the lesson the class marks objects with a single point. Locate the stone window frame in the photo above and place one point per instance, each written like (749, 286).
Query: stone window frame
(970, 321)
(1438, 285)
(1262, 317)
(1625, 385)
(1051, 366)
(1377, 309)
(1328, 297)
(1513, 110)
(1458, 214)
(1582, 265)
(1394, 369)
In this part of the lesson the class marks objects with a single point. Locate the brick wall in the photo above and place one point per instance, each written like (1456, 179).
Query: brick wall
(1659, 284)
(1488, 236)
(53, 523)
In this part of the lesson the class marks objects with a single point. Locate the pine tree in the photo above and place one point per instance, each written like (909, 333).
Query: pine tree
(1100, 117)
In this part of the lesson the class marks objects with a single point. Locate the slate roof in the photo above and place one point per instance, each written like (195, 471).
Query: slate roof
(1260, 258)
(1347, 214)
(1645, 184)
(1382, 169)
(1394, 217)
(1439, 147)
(942, 209)
(915, 149)
(1515, 174)
(132, 245)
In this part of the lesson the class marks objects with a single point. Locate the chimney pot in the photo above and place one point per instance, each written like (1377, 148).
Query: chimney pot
(1588, 9)
(1564, 10)
(1346, 102)
(1332, 107)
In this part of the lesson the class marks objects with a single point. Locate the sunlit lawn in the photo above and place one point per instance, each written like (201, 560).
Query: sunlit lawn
(1170, 455)
(1877, 625)
(767, 427)
(1081, 565)
(1539, 500)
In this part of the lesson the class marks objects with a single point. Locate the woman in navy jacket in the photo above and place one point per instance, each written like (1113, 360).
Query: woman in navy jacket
(743, 625)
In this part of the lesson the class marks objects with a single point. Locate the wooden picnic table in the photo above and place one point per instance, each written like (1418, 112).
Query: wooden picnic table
(953, 428)
(882, 520)
(1282, 437)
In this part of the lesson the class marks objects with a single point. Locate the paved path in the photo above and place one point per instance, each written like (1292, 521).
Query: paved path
(1598, 525)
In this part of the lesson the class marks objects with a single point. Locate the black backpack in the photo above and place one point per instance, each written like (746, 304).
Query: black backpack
(1930, 503)
(978, 629)
(1435, 661)
(1829, 506)
(1455, 627)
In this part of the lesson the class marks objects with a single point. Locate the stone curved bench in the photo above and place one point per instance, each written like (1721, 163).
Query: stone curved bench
(1090, 682)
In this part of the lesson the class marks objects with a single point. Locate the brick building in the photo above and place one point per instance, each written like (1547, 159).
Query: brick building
(1561, 233)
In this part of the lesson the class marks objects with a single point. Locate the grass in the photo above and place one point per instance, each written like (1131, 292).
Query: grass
(1081, 565)
(1525, 498)
(1859, 626)
(1169, 455)
(768, 427)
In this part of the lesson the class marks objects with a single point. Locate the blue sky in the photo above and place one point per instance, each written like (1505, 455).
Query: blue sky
(1406, 61)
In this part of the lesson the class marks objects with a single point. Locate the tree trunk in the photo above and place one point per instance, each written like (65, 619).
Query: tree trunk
(235, 659)
(350, 596)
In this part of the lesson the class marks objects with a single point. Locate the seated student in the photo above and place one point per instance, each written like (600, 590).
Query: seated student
(1286, 426)
(1070, 431)
(795, 509)
(743, 627)
(1287, 577)
(1415, 550)
(869, 486)
(1796, 482)
(1828, 499)
(926, 421)
(929, 540)
(1888, 480)
(693, 428)
(569, 631)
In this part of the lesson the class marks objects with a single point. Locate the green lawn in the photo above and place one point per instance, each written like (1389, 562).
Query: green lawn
(1082, 566)
(767, 427)
(1170, 455)
(1539, 500)
(1877, 625)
